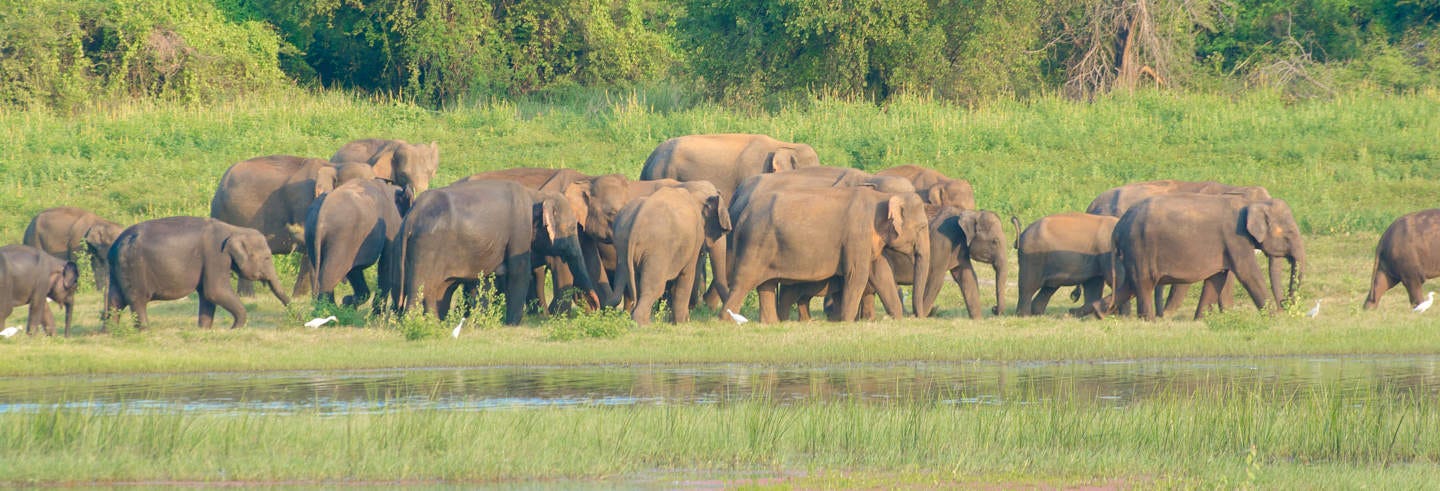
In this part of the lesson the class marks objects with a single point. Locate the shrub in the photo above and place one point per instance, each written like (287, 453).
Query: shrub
(604, 323)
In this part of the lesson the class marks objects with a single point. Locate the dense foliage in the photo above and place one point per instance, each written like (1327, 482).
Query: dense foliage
(63, 54)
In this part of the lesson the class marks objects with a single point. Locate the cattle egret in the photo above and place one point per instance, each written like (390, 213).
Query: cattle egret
(10, 331)
(739, 319)
(1314, 311)
(455, 333)
(1426, 304)
(320, 321)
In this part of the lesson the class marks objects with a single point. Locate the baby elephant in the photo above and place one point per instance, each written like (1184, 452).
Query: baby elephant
(658, 240)
(1061, 250)
(167, 258)
(346, 231)
(29, 275)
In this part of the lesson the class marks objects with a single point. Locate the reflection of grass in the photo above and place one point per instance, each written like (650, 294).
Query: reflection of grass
(1212, 436)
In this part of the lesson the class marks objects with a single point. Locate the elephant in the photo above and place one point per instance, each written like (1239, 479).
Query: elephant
(272, 194)
(812, 178)
(64, 231)
(1115, 201)
(1406, 254)
(658, 240)
(29, 275)
(1061, 250)
(1188, 237)
(499, 225)
(808, 235)
(410, 166)
(596, 201)
(168, 258)
(936, 188)
(346, 230)
(725, 159)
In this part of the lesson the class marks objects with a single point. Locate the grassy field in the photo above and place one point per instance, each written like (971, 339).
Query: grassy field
(1348, 166)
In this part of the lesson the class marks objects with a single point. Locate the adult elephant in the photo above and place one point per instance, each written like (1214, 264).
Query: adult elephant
(936, 188)
(1187, 238)
(30, 276)
(658, 239)
(169, 258)
(410, 166)
(1115, 201)
(596, 201)
(725, 159)
(272, 194)
(1407, 254)
(500, 225)
(65, 231)
(1062, 250)
(815, 234)
(346, 231)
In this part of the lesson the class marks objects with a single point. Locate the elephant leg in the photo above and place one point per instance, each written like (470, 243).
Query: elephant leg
(680, 310)
(867, 306)
(142, 313)
(882, 280)
(1254, 285)
(5, 311)
(765, 293)
(651, 287)
(1178, 292)
(535, 298)
(1029, 285)
(356, 277)
(1227, 292)
(969, 289)
(1042, 299)
(1145, 296)
(561, 280)
(1380, 282)
(303, 279)
(517, 284)
(1209, 293)
(1415, 286)
(36, 317)
(853, 287)
(797, 296)
(1093, 290)
(207, 314)
(231, 303)
(244, 287)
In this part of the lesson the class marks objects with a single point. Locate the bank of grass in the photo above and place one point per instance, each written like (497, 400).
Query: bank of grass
(1225, 437)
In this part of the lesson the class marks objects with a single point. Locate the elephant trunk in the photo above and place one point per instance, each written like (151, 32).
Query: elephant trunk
(569, 248)
(273, 281)
(719, 265)
(1002, 269)
(1297, 269)
(920, 294)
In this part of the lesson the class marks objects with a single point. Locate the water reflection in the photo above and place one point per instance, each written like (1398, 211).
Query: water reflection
(473, 389)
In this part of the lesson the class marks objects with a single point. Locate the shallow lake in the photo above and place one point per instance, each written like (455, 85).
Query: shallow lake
(473, 389)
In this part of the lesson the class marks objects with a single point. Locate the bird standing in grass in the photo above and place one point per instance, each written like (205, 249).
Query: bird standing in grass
(10, 331)
(455, 333)
(1430, 300)
(1314, 311)
(739, 319)
(320, 321)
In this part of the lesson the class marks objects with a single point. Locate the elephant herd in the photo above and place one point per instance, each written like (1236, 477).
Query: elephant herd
(763, 214)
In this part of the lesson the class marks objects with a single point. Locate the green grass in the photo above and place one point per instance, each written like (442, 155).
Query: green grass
(1212, 436)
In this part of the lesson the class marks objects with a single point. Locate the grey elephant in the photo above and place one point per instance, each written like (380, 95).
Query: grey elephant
(1187, 238)
(812, 178)
(725, 159)
(500, 226)
(272, 194)
(809, 235)
(1406, 254)
(408, 165)
(596, 200)
(346, 231)
(30, 276)
(1062, 250)
(65, 231)
(169, 258)
(658, 240)
(1115, 201)
(935, 187)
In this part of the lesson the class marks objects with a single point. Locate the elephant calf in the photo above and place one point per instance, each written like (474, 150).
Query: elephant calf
(346, 231)
(1407, 255)
(29, 276)
(168, 258)
(658, 240)
(65, 231)
(936, 188)
(1061, 250)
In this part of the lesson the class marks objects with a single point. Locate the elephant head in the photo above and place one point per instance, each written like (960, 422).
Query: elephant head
(556, 223)
(63, 283)
(1272, 227)
(250, 257)
(410, 166)
(890, 184)
(790, 157)
(984, 237)
(597, 201)
(954, 192)
(904, 228)
(98, 239)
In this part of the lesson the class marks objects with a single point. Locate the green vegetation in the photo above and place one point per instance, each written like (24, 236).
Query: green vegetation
(1227, 437)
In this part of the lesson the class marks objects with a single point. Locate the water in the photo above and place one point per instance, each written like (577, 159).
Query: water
(476, 389)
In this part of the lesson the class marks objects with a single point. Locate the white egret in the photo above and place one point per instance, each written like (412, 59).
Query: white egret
(739, 319)
(455, 333)
(1314, 311)
(320, 321)
(10, 331)
(1426, 304)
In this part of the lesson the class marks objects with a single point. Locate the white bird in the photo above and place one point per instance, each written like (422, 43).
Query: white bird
(1426, 304)
(10, 331)
(455, 333)
(320, 321)
(739, 319)
(1314, 311)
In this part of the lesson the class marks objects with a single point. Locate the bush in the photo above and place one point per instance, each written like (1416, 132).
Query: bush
(604, 324)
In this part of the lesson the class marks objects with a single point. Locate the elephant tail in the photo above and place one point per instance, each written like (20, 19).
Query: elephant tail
(314, 236)
(1014, 220)
(401, 286)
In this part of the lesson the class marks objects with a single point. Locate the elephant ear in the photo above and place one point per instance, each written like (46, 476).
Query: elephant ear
(969, 224)
(936, 195)
(550, 217)
(716, 208)
(324, 180)
(578, 194)
(894, 219)
(68, 277)
(782, 159)
(1257, 222)
(383, 162)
